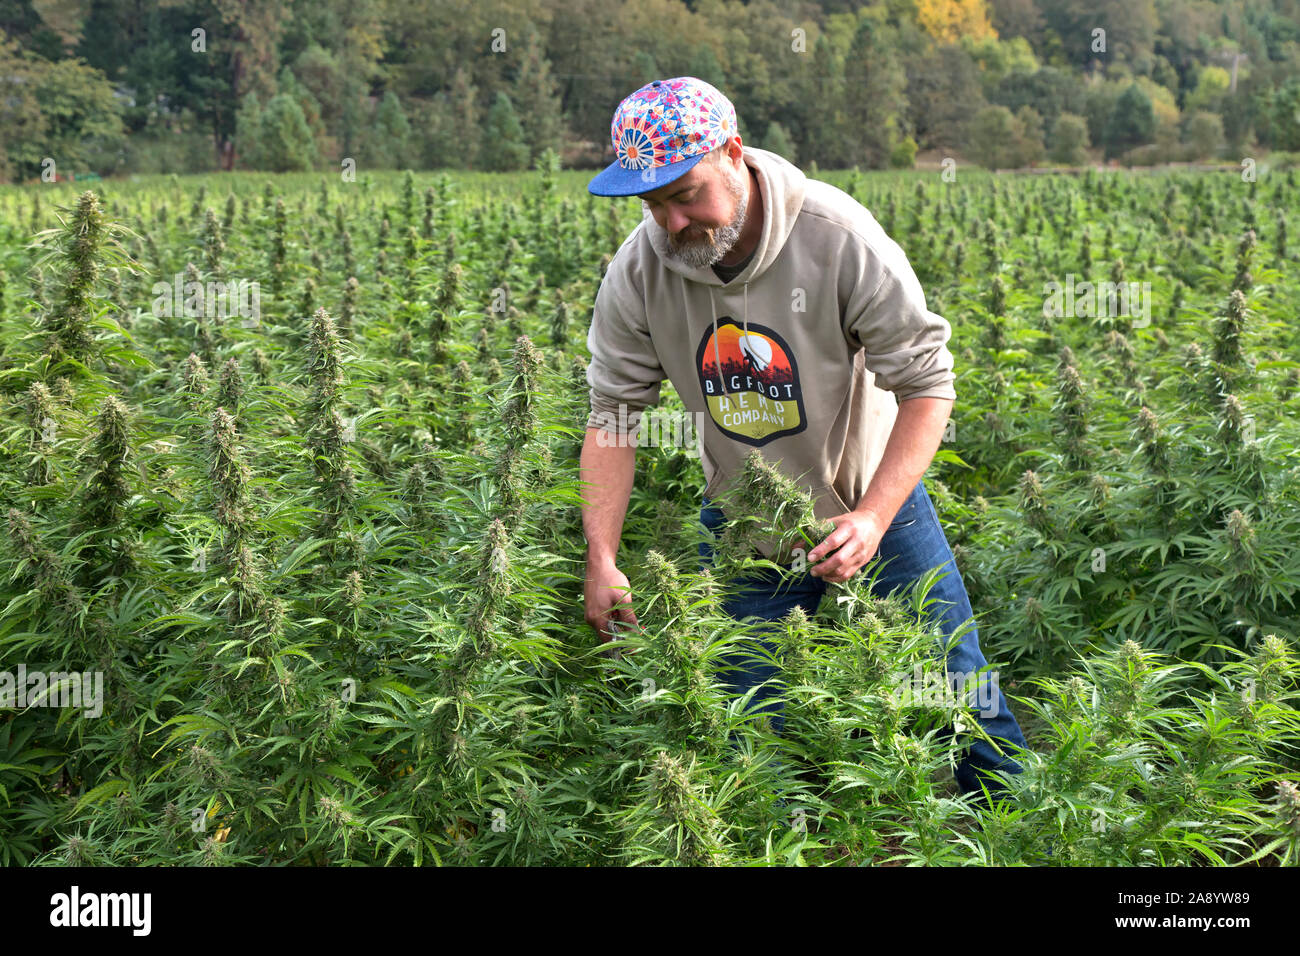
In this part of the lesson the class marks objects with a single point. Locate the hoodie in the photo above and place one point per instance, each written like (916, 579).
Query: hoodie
(804, 355)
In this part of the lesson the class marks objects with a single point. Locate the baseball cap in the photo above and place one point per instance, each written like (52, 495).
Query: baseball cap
(660, 132)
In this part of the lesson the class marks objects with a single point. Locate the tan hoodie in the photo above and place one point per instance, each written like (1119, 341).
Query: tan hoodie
(800, 366)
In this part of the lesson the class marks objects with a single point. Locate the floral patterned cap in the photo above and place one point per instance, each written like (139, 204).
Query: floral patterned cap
(660, 132)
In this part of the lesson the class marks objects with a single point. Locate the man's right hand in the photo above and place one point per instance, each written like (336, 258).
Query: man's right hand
(608, 599)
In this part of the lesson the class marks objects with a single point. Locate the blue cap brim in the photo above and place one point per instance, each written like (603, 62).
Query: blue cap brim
(615, 180)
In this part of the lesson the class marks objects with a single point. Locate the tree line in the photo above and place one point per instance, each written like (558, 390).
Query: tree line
(119, 86)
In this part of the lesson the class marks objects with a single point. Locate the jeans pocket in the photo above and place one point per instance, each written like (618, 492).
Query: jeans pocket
(907, 514)
(900, 523)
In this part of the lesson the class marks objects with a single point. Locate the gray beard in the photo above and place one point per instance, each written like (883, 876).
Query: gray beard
(701, 253)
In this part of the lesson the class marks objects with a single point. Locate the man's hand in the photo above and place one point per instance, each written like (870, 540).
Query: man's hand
(912, 443)
(608, 599)
(852, 544)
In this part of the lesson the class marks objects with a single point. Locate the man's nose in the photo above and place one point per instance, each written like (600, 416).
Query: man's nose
(677, 221)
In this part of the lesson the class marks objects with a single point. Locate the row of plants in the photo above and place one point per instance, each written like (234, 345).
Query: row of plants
(326, 549)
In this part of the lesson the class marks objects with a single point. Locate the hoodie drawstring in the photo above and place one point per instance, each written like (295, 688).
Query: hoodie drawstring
(717, 352)
(745, 318)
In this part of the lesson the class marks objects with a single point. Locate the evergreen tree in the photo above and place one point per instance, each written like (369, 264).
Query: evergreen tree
(503, 144)
(317, 71)
(1030, 140)
(1204, 133)
(992, 131)
(307, 103)
(829, 140)
(643, 69)
(874, 101)
(704, 66)
(1131, 123)
(287, 141)
(538, 98)
(1003, 140)
(778, 141)
(943, 93)
(248, 133)
(1069, 140)
(453, 141)
(1281, 128)
(390, 136)
(352, 115)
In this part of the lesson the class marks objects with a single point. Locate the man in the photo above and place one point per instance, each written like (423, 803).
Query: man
(837, 323)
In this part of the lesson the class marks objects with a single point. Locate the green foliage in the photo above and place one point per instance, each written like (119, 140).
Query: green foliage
(287, 143)
(388, 146)
(121, 88)
(1131, 123)
(276, 138)
(873, 112)
(1068, 142)
(503, 144)
(903, 155)
(63, 110)
(332, 574)
(778, 141)
(1204, 134)
(537, 98)
(1001, 140)
(1281, 116)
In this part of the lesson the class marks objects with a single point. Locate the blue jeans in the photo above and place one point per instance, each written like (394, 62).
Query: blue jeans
(913, 544)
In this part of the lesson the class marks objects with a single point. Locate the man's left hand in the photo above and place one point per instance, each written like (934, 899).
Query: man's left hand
(852, 544)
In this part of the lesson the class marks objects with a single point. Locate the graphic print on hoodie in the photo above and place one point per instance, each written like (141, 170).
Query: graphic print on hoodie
(750, 380)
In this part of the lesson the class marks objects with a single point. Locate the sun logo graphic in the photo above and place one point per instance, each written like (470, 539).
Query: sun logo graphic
(750, 382)
(757, 351)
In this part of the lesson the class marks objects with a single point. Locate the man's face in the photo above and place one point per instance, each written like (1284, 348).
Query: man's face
(702, 212)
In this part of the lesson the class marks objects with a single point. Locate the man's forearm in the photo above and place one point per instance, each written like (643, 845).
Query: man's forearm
(610, 470)
(912, 443)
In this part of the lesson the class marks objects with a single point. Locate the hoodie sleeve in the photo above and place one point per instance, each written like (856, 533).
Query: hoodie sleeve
(624, 368)
(906, 344)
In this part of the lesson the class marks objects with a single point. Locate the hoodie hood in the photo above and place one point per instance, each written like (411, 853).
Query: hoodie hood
(781, 193)
(777, 177)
